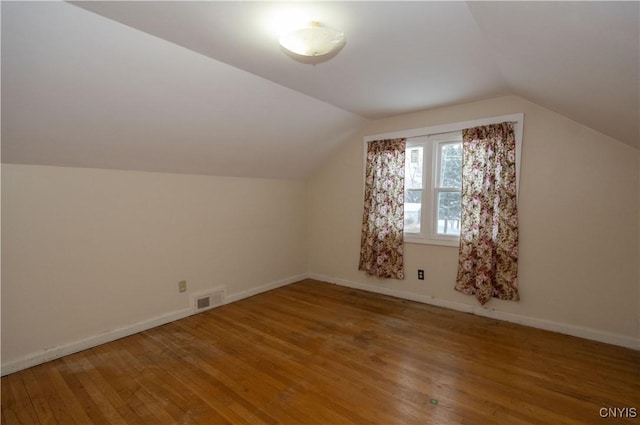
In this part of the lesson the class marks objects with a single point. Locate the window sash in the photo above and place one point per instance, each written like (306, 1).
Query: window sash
(456, 139)
(422, 142)
(407, 213)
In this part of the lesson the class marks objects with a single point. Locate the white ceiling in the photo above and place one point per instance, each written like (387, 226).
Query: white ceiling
(203, 87)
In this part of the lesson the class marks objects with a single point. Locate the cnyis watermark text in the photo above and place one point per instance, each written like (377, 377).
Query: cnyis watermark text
(618, 412)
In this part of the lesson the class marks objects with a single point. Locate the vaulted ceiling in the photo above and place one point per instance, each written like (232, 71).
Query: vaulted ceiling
(203, 87)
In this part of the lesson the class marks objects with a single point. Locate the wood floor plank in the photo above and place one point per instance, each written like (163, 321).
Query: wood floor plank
(23, 411)
(363, 368)
(180, 388)
(53, 398)
(209, 379)
(316, 353)
(126, 381)
(96, 390)
(269, 353)
(224, 379)
(38, 398)
(75, 406)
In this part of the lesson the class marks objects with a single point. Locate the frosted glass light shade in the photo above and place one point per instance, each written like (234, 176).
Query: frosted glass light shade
(312, 40)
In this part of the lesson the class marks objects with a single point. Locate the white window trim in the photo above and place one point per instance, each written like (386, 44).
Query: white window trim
(429, 237)
(428, 221)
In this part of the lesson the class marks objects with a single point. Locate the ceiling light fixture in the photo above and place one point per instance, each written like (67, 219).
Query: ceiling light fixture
(313, 40)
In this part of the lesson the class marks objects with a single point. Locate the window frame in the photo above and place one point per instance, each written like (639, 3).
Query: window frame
(431, 137)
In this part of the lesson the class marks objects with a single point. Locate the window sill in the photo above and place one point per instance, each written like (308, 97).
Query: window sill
(452, 243)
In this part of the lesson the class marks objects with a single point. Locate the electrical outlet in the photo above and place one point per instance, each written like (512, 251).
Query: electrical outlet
(182, 286)
(420, 274)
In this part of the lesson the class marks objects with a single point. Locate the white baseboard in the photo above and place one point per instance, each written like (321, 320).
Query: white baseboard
(92, 341)
(111, 335)
(549, 325)
(264, 288)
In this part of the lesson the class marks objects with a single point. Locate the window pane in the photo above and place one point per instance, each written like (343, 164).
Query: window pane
(413, 168)
(412, 210)
(451, 165)
(448, 213)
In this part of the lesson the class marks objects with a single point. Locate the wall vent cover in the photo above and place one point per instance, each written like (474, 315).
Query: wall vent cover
(203, 302)
(209, 299)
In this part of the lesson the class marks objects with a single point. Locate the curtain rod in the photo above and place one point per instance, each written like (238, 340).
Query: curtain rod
(446, 128)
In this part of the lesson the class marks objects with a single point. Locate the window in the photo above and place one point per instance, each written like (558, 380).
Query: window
(433, 178)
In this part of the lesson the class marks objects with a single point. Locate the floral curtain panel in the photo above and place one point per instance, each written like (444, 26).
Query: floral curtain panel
(382, 242)
(488, 257)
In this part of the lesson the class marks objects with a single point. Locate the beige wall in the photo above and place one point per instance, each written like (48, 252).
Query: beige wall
(86, 251)
(578, 213)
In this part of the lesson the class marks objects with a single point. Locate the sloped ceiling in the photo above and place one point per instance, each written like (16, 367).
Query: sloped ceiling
(203, 87)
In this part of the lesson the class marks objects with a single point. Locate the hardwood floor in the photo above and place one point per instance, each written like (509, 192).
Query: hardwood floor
(317, 353)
